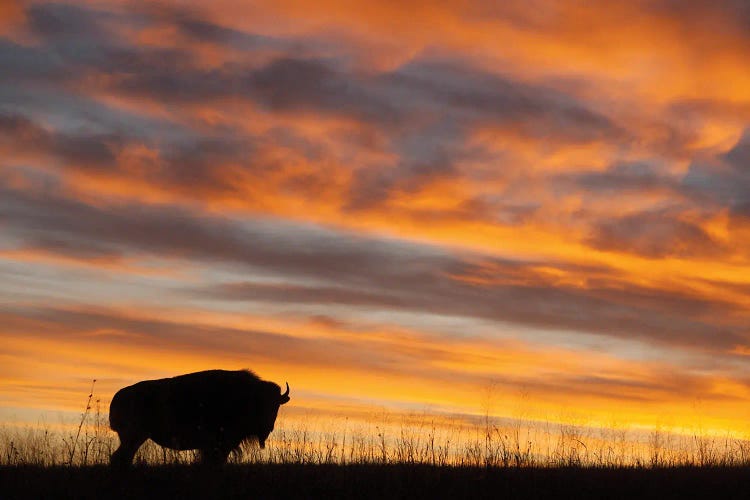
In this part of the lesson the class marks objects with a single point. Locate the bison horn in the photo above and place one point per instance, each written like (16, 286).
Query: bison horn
(285, 396)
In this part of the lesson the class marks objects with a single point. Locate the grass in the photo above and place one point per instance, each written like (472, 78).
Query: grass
(416, 457)
(384, 455)
(395, 439)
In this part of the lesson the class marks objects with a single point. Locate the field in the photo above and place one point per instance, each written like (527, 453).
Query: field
(372, 481)
(385, 455)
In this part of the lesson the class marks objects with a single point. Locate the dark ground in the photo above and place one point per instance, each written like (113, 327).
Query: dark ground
(371, 481)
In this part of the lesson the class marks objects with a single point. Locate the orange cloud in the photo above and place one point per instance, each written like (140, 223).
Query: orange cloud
(544, 196)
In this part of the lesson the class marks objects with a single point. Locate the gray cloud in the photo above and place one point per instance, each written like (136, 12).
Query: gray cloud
(83, 150)
(61, 21)
(535, 111)
(421, 92)
(173, 231)
(422, 111)
(79, 40)
(724, 181)
(739, 155)
(298, 84)
(199, 29)
(632, 313)
(637, 177)
(185, 162)
(655, 235)
(103, 327)
(23, 64)
(699, 15)
(366, 271)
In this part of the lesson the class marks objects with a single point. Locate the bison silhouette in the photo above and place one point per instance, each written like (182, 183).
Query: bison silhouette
(211, 411)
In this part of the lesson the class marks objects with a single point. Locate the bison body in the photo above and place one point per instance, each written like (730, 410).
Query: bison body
(212, 411)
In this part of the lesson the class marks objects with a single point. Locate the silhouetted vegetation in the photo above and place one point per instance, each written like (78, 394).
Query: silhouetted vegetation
(396, 440)
(411, 459)
(383, 456)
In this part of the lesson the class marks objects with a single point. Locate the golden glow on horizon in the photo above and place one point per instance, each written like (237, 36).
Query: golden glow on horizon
(123, 360)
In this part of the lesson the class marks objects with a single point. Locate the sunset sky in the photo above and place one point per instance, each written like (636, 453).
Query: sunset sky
(393, 204)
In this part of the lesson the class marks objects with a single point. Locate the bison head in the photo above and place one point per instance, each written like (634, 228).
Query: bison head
(270, 412)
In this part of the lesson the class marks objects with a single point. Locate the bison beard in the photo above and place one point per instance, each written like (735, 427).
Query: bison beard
(212, 411)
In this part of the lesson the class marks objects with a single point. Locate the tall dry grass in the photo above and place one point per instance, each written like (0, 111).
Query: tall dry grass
(436, 442)
(395, 438)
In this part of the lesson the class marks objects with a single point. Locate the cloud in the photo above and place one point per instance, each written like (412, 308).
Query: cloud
(297, 84)
(200, 29)
(81, 38)
(173, 231)
(24, 136)
(739, 155)
(621, 178)
(110, 328)
(704, 14)
(423, 112)
(539, 172)
(657, 317)
(656, 235)
(114, 336)
(422, 91)
(23, 64)
(724, 180)
(179, 160)
(358, 270)
(60, 21)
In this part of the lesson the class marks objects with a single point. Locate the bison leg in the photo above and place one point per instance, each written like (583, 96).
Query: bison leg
(123, 456)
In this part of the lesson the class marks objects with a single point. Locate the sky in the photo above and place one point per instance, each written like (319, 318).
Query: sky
(398, 204)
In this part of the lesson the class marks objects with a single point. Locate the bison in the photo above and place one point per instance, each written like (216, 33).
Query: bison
(211, 411)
